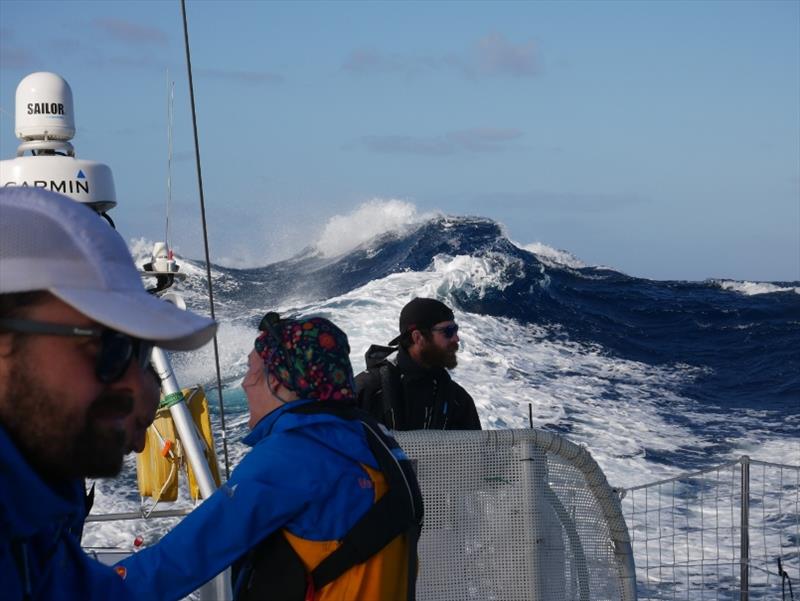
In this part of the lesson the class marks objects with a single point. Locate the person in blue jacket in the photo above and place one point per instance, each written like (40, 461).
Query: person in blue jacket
(310, 477)
(76, 329)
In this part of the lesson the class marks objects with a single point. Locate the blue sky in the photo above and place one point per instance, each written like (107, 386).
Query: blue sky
(658, 138)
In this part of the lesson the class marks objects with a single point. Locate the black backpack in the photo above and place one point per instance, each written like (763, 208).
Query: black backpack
(385, 384)
(272, 569)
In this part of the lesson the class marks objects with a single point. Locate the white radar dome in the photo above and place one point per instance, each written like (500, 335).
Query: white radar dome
(44, 108)
(88, 182)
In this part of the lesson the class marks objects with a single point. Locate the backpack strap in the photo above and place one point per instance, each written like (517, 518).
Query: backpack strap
(270, 570)
(400, 510)
(391, 393)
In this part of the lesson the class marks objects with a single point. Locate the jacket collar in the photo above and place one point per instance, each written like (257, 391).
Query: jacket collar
(28, 502)
(267, 423)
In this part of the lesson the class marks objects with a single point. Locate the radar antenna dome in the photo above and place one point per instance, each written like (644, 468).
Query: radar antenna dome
(45, 123)
(44, 108)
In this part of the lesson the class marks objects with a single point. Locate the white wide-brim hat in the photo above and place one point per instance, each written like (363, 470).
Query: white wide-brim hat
(50, 242)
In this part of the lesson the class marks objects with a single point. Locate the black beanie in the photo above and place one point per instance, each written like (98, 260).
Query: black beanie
(422, 314)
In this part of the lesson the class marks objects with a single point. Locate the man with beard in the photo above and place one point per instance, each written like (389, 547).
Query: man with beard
(76, 331)
(415, 391)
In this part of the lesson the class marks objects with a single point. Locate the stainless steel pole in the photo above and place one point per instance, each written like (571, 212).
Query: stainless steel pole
(745, 525)
(182, 417)
(219, 588)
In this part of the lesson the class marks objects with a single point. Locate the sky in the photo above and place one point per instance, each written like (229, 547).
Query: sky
(661, 139)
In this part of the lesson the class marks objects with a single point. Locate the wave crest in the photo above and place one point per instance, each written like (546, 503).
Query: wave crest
(343, 233)
(553, 256)
(754, 288)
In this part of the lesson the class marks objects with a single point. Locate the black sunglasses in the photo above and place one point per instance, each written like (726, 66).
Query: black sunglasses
(117, 350)
(448, 331)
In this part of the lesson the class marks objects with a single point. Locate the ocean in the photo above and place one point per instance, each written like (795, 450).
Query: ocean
(654, 378)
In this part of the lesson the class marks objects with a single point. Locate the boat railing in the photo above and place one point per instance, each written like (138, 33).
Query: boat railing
(731, 531)
(527, 514)
(517, 514)
(509, 514)
(139, 515)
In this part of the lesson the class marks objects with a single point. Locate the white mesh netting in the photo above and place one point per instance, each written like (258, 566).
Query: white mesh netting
(516, 515)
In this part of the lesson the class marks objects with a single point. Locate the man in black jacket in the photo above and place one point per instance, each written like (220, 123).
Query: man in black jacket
(415, 391)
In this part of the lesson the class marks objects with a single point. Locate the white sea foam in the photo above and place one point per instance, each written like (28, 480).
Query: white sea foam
(754, 288)
(343, 233)
(140, 249)
(553, 256)
(234, 340)
(468, 273)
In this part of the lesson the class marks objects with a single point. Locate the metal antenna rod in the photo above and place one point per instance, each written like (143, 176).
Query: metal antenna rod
(170, 119)
(205, 235)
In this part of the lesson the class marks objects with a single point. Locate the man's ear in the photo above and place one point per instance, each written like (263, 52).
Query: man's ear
(417, 337)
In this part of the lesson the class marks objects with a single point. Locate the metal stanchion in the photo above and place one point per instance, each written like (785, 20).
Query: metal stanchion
(745, 531)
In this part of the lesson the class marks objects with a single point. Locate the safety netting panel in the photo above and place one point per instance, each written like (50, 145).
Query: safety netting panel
(515, 514)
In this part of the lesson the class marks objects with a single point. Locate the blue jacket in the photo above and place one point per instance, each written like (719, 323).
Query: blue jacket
(40, 524)
(303, 475)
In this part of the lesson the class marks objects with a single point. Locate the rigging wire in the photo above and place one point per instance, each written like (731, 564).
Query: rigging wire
(205, 235)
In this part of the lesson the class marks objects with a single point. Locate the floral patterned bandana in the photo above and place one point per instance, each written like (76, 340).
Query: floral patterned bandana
(309, 356)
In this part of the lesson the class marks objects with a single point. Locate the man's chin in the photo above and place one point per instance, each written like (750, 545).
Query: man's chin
(101, 455)
(438, 357)
(451, 361)
(107, 469)
(105, 466)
